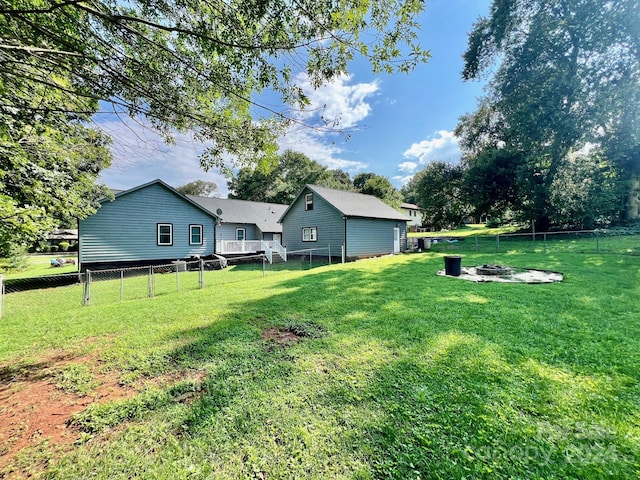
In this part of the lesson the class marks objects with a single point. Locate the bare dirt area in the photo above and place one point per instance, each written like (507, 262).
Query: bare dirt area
(35, 411)
(280, 336)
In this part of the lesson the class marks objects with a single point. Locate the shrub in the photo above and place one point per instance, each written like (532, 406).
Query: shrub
(64, 245)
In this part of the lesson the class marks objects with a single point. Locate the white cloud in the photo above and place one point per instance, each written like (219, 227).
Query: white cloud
(141, 155)
(408, 167)
(339, 100)
(319, 148)
(441, 146)
(402, 180)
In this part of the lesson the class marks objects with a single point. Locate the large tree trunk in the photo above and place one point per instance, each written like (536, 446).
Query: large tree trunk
(632, 204)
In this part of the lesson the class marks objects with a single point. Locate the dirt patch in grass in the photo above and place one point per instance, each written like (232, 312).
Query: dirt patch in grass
(280, 336)
(35, 410)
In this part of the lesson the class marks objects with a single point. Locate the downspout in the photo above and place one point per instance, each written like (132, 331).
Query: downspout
(345, 238)
(79, 237)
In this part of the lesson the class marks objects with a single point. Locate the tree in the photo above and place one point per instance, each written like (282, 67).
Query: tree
(48, 169)
(283, 182)
(378, 186)
(438, 191)
(199, 188)
(197, 65)
(567, 78)
(586, 192)
(193, 65)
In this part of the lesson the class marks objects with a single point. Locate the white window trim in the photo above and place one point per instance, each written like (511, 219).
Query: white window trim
(164, 244)
(244, 234)
(199, 227)
(308, 201)
(312, 234)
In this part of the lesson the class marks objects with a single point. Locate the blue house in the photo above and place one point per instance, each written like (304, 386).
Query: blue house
(245, 227)
(148, 224)
(344, 223)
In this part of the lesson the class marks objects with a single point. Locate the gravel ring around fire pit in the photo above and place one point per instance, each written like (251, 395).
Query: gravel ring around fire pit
(515, 275)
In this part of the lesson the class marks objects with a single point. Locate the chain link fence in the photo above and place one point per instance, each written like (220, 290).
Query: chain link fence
(584, 241)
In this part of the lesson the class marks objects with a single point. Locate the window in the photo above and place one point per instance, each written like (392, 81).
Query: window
(241, 234)
(195, 234)
(309, 234)
(165, 234)
(308, 201)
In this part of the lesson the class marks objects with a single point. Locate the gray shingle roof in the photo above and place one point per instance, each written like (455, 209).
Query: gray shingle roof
(352, 204)
(264, 215)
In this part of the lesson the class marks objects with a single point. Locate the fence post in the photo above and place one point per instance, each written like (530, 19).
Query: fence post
(264, 265)
(497, 243)
(1, 295)
(121, 283)
(343, 259)
(310, 259)
(201, 273)
(329, 254)
(150, 283)
(86, 288)
(177, 277)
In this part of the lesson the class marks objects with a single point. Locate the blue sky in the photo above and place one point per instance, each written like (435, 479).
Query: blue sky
(403, 121)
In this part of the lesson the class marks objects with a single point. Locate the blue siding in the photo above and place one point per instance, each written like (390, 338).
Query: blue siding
(327, 220)
(369, 236)
(125, 230)
(227, 231)
(365, 236)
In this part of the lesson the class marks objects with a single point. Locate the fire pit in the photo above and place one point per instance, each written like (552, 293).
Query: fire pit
(494, 270)
(504, 274)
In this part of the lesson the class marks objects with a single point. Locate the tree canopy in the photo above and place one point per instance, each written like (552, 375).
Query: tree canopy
(285, 180)
(437, 189)
(189, 66)
(566, 79)
(196, 65)
(378, 186)
(200, 188)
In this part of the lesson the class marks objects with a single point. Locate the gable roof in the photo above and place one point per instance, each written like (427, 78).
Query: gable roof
(410, 206)
(121, 193)
(351, 204)
(264, 215)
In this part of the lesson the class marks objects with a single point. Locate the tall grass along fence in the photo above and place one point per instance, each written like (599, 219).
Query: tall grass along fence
(583, 241)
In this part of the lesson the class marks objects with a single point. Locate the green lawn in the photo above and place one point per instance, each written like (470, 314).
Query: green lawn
(468, 231)
(39, 265)
(402, 374)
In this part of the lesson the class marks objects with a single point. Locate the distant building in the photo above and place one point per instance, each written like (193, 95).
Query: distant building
(413, 214)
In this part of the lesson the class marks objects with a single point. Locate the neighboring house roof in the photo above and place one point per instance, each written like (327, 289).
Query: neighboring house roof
(63, 234)
(410, 206)
(163, 184)
(264, 215)
(351, 204)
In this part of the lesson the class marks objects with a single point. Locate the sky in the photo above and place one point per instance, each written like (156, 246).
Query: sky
(398, 123)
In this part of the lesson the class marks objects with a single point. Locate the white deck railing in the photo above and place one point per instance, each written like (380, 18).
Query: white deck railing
(238, 247)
